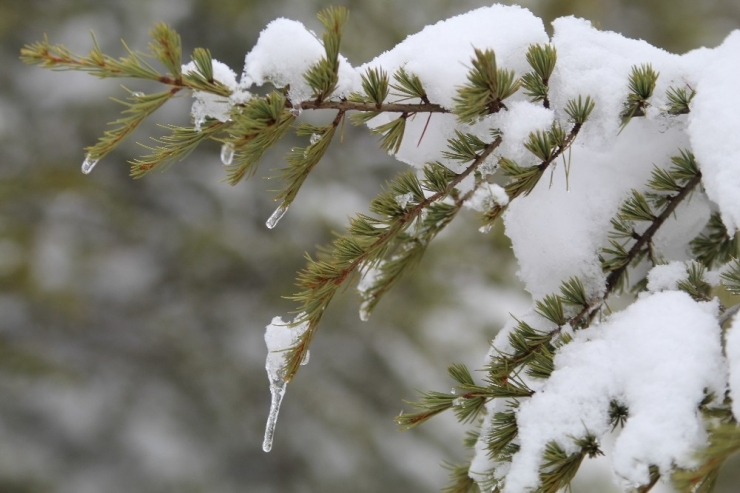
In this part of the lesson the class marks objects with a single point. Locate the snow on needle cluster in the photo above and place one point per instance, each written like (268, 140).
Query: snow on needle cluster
(483, 106)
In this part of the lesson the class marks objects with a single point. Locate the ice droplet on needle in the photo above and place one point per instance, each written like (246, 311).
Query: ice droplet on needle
(88, 164)
(227, 153)
(277, 215)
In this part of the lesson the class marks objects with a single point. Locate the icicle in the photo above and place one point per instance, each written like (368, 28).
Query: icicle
(364, 311)
(277, 215)
(88, 164)
(279, 338)
(138, 94)
(306, 357)
(277, 391)
(227, 153)
(485, 228)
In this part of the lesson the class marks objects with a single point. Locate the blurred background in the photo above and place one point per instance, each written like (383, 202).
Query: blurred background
(132, 313)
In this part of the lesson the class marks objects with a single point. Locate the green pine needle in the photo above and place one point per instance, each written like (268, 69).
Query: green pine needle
(542, 59)
(573, 293)
(409, 86)
(636, 208)
(618, 414)
(166, 47)
(579, 110)
(641, 86)
(731, 278)
(174, 147)
(459, 479)
(551, 308)
(523, 180)
(486, 89)
(679, 100)
(391, 134)
(138, 108)
(715, 247)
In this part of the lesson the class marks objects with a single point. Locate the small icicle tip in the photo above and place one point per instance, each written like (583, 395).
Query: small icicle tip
(277, 215)
(88, 164)
(227, 153)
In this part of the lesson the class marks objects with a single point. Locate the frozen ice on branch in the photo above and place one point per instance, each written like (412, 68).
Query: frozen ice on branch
(614, 166)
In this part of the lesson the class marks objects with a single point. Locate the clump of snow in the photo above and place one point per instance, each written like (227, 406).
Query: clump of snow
(285, 51)
(666, 277)
(486, 197)
(732, 349)
(207, 105)
(714, 126)
(440, 56)
(658, 357)
(521, 119)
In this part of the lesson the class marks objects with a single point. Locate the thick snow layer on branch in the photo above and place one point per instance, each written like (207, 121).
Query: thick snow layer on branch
(440, 55)
(558, 230)
(658, 358)
(284, 52)
(732, 348)
(714, 127)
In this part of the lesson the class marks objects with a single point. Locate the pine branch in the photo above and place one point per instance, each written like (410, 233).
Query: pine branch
(138, 108)
(347, 105)
(486, 89)
(641, 85)
(559, 468)
(322, 76)
(320, 280)
(460, 480)
(542, 59)
(301, 161)
(254, 129)
(715, 246)
(724, 442)
(174, 147)
(627, 257)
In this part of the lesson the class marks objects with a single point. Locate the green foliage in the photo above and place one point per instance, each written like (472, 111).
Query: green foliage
(460, 480)
(695, 285)
(626, 246)
(731, 278)
(679, 100)
(486, 89)
(542, 59)
(618, 414)
(580, 109)
(322, 76)
(409, 86)
(641, 86)
(715, 246)
(138, 108)
(724, 442)
(255, 128)
(412, 209)
(174, 147)
(559, 468)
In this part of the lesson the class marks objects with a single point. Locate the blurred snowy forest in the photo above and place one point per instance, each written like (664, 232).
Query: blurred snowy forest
(132, 313)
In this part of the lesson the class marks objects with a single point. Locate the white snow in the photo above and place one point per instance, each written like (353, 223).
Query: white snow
(657, 357)
(666, 277)
(440, 56)
(212, 105)
(660, 354)
(732, 348)
(714, 126)
(285, 51)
